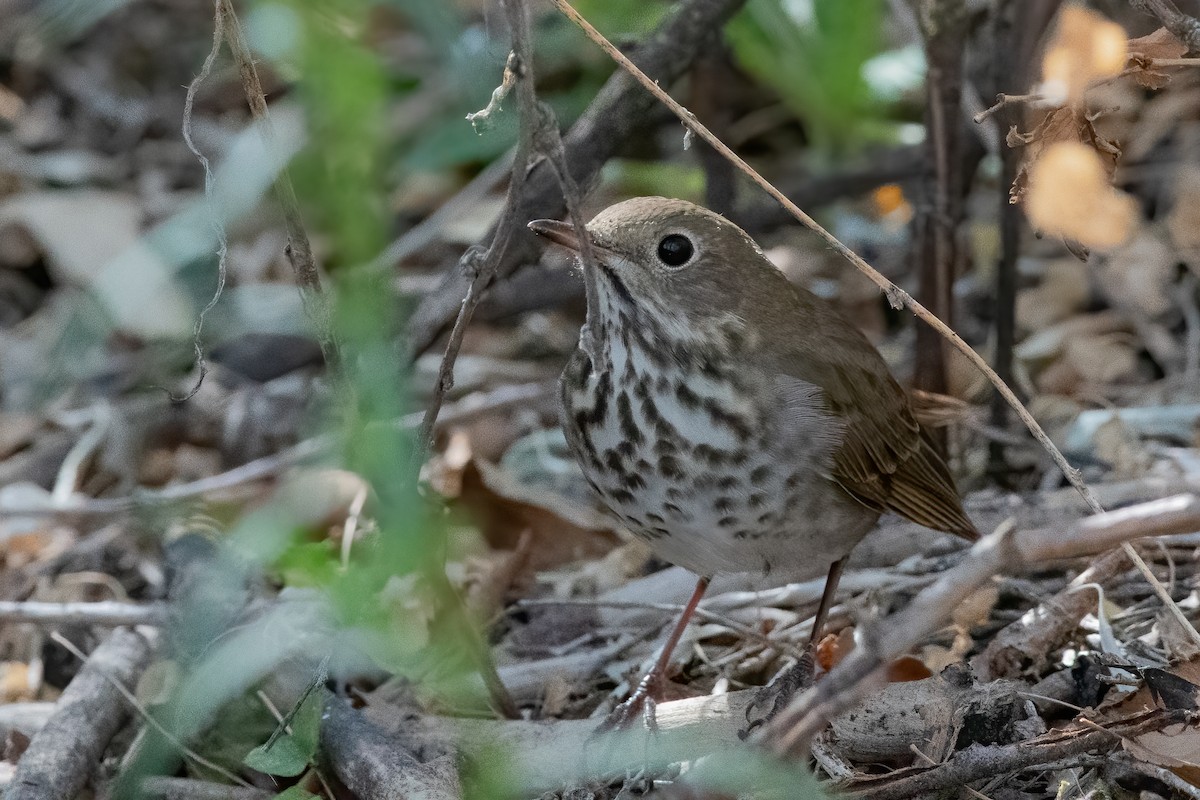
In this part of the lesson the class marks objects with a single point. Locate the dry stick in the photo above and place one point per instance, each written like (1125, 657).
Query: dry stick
(944, 32)
(1184, 27)
(1002, 551)
(482, 267)
(1054, 750)
(518, 73)
(1035, 98)
(161, 787)
(63, 755)
(896, 296)
(299, 251)
(1006, 58)
(118, 683)
(100, 613)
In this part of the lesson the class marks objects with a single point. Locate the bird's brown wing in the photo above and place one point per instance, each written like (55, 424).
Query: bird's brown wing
(882, 457)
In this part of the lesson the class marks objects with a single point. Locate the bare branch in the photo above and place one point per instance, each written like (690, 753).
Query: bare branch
(1184, 27)
(1000, 552)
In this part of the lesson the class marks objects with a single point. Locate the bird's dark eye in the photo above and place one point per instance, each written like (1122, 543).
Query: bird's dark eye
(675, 250)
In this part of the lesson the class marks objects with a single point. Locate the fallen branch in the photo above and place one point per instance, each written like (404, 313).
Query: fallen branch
(1000, 552)
(1055, 750)
(65, 753)
(108, 613)
(372, 765)
(163, 788)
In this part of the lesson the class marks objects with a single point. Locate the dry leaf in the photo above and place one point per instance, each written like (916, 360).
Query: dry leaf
(505, 509)
(1117, 445)
(15, 683)
(1102, 359)
(1183, 223)
(1139, 276)
(1142, 52)
(1085, 48)
(494, 577)
(1069, 195)
(1067, 124)
(1177, 748)
(1063, 290)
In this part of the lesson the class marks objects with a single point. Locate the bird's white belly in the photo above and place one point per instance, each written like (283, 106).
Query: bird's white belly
(694, 472)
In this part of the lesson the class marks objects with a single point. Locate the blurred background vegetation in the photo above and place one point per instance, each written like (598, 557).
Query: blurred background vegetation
(391, 568)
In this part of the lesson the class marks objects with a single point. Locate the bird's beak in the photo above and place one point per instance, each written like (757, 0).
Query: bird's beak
(558, 232)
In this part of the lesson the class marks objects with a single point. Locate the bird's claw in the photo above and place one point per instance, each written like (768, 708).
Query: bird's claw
(774, 697)
(641, 703)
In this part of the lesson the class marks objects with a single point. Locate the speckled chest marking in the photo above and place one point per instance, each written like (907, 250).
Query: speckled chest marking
(720, 466)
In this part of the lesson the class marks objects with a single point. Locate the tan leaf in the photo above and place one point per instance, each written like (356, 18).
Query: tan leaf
(1065, 124)
(505, 510)
(1139, 276)
(1063, 291)
(1085, 48)
(1183, 223)
(1069, 195)
(1142, 52)
(1175, 748)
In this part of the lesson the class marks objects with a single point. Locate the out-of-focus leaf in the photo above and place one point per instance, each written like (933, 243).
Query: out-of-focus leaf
(1069, 195)
(1086, 47)
(290, 753)
(813, 54)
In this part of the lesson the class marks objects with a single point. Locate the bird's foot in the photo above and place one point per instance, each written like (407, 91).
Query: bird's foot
(641, 703)
(774, 697)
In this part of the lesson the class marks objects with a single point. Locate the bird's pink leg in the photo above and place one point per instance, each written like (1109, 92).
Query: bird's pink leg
(649, 689)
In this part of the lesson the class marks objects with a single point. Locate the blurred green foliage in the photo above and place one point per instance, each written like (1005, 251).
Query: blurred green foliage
(812, 52)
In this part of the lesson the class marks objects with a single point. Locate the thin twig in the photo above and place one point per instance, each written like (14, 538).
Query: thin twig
(218, 226)
(482, 266)
(1003, 100)
(1036, 98)
(147, 716)
(100, 613)
(299, 250)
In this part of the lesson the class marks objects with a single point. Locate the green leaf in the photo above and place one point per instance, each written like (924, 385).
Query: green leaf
(813, 52)
(294, 793)
(290, 754)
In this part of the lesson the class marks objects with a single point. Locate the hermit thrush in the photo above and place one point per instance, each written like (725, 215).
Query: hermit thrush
(733, 420)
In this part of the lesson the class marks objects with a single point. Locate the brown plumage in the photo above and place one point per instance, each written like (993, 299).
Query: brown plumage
(733, 420)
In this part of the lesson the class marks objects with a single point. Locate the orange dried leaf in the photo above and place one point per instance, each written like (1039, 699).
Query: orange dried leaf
(1069, 195)
(907, 668)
